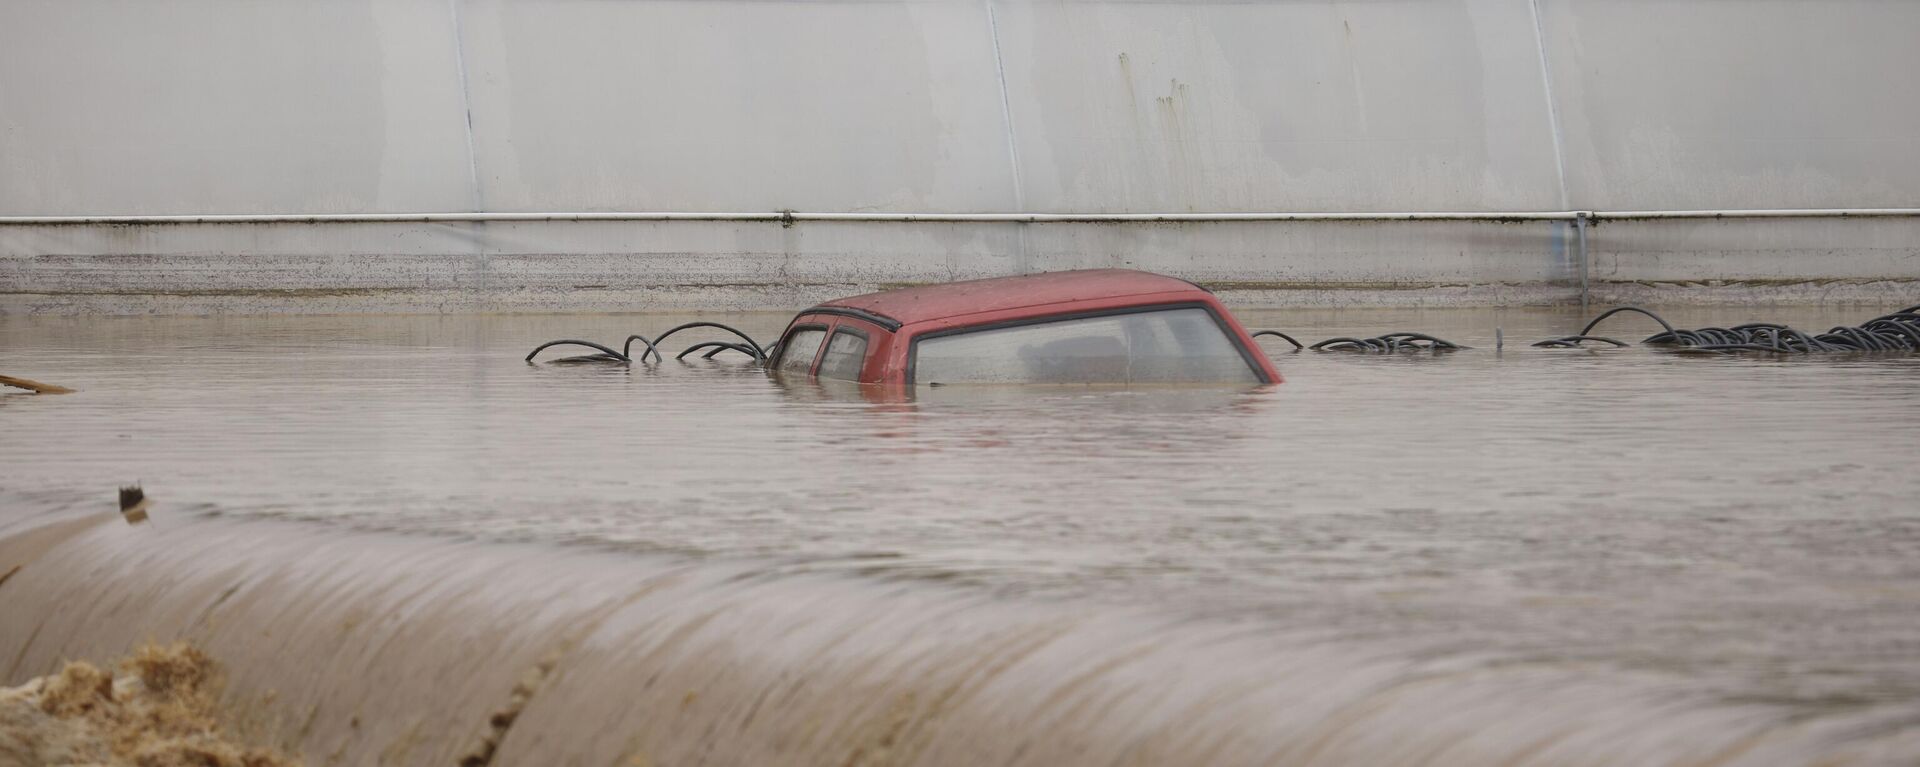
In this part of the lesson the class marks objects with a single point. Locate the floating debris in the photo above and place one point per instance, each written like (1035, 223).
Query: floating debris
(33, 386)
(133, 504)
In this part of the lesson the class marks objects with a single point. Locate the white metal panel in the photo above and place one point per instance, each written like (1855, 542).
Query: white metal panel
(228, 106)
(1239, 106)
(236, 106)
(736, 105)
(1752, 104)
(117, 107)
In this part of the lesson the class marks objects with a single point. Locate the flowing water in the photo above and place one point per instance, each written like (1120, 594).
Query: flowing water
(1517, 556)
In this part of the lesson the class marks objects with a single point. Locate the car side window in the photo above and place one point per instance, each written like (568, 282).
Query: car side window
(798, 351)
(846, 354)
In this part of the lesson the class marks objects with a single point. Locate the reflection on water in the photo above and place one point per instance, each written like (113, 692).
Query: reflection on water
(1744, 530)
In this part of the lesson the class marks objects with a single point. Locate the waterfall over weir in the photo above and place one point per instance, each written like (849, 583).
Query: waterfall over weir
(363, 648)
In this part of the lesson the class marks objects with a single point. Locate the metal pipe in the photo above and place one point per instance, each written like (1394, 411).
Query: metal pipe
(1027, 218)
(1580, 225)
(1045, 218)
(1628, 215)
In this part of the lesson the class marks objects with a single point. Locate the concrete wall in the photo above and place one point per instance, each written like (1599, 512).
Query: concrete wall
(127, 107)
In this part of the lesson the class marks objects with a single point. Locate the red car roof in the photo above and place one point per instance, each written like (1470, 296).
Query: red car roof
(936, 302)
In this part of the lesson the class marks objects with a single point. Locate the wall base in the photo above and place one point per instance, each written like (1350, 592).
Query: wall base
(618, 266)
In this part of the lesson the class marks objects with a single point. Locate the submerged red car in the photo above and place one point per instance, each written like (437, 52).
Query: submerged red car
(1094, 326)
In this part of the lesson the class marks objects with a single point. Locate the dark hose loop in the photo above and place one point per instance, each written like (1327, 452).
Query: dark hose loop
(1897, 332)
(651, 349)
(617, 357)
(1437, 342)
(1610, 312)
(1279, 335)
(1573, 342)
(1341, 341)
(758, 352)
(718, 347)
(750, 348)
(1386, 344)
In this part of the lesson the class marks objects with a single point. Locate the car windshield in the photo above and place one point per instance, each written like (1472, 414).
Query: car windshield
(1184, 345)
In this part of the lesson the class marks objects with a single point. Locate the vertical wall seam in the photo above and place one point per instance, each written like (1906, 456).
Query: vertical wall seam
(466, 103)
(1022, 262)
(1553, 106)
(1006, 108)
(1559, 152)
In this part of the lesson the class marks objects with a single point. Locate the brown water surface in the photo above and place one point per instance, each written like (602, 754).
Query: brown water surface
(1541, 555)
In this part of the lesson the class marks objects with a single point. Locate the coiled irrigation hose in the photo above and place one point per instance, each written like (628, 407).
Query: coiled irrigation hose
(751, 348)
(1389, 343)
(718, 347)
(1896, 332)
(1384, 344)
(605, 355)
(756, 351)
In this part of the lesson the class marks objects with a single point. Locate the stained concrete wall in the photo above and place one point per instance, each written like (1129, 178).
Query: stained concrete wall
(125, 107)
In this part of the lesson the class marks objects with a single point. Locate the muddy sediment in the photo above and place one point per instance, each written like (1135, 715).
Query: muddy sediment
(357, 648)
(157, 707)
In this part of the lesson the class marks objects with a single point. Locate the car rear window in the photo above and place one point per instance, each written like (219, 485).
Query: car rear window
(798, 351)
(845, 353)
(1183, 345)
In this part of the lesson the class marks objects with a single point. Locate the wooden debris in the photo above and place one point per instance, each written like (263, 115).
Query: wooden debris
(33, 386)
(133, 504)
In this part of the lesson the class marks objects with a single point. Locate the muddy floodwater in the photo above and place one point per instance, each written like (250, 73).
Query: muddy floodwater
(391, 528)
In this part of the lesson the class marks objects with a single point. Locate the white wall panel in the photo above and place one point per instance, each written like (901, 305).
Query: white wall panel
(136, 107)
(229, 106)
(728, 105)
(235, 106)
(1248, 106)
(1696, 104)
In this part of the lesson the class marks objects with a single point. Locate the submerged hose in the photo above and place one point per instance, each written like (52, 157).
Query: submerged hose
(1616, 310)
(624, 356)
(1388, 343)
(627, 348)
(759, 353)
(609, 354)
(1279, 335)
(1573, 342)
(1385, 344)
(1896, 332)
(718, 347)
